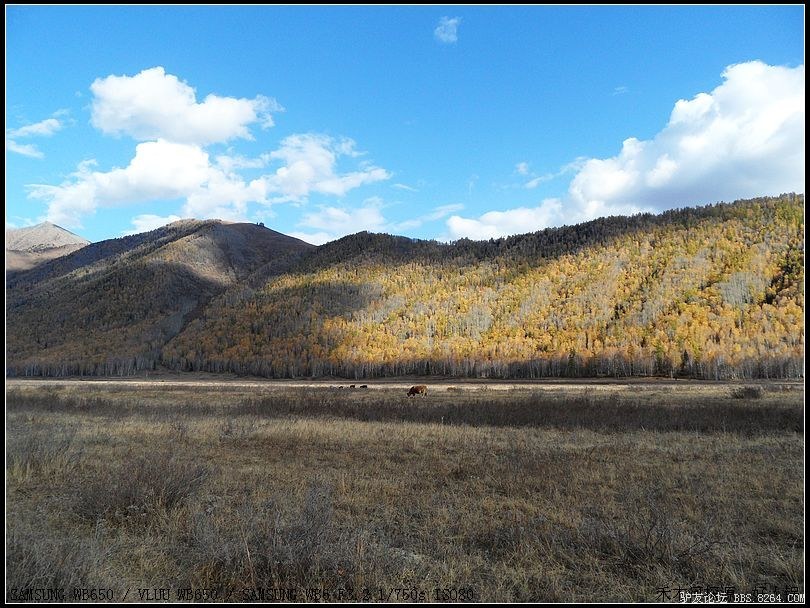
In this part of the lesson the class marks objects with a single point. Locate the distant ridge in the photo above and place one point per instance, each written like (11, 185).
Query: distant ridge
(31, 246)
(42, 236)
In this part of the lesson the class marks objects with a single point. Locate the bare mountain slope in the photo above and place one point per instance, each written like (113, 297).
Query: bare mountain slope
(41, 236)
(34, 245)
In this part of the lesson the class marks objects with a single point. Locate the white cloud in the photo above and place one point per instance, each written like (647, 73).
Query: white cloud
(153, 105)
(313, 238)
(494, 224)
(447, 30)
(223, 196)
(342, 221)
(310, 165)
(536, 180)
(147, 222)
(171, 161)
(160, 170)
(522, 168)
(43, 128)
(744, 139)
(165, 170)
(533, 183)
(29, 150)
(331, 223)
(438, 213)
(404, 187)
(230, 163)
(443, 211)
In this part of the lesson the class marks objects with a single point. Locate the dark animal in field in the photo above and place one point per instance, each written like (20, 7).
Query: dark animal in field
(364, 386)
(419, 389)
(351, 386)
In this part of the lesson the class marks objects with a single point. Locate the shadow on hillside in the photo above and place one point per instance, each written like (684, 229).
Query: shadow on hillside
(91, 254)
(291, 322)
(126, 313)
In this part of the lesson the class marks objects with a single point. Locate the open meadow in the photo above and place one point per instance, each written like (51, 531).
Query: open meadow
(548, 491)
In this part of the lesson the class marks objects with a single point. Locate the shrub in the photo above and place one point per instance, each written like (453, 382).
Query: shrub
(747, 392)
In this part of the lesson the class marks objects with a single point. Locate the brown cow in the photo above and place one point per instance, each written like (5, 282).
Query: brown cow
(419, 389)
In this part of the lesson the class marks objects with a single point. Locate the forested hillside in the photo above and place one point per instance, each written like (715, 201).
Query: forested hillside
(708, 292)
(110, 307)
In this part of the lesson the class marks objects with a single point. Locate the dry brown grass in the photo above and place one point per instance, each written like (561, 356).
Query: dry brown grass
(519, 495)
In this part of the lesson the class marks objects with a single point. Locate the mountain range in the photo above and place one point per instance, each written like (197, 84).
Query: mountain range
(112, 305)
(709, 292)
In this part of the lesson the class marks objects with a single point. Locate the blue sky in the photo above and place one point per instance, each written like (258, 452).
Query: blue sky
(434, 121)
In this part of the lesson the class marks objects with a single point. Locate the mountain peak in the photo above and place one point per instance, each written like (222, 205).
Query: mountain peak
(44, 235)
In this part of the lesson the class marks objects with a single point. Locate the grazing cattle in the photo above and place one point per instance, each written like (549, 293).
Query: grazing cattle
(351, 386)
(419, 389)
(364, 386)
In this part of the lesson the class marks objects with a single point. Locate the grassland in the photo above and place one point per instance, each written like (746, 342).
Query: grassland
(557, 493)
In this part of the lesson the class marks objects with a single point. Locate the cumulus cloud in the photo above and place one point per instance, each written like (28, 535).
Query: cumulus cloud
(743, 139)
(147, 222)
(160, 170)
(522, 168)
(165, 170)
(494, 224)
(224, 196)
(43, 128)
(347, 221)
(310, 165)
(171, 163)
(447, 30)
(313, 238)
(332, 223)
(153, 104)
